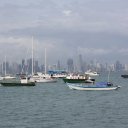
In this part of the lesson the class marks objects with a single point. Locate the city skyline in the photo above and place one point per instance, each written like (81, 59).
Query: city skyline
(25, 66)
(95, 29)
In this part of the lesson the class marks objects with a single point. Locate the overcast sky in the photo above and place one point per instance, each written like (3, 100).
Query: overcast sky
(97, 29)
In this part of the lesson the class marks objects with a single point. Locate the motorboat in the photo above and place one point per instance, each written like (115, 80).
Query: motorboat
(98, 86)
(58, 73)
(91, 73)
(124, 76)
(78, 78)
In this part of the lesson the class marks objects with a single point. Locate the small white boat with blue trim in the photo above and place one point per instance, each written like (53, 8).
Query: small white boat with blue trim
(90, 87)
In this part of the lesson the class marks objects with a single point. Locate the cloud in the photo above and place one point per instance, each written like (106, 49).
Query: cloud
(97, 28)
(67, 12)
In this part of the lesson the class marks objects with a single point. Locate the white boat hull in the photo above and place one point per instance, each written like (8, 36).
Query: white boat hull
(42, 78)
(46, 80)
(75, 87)
(91, 73)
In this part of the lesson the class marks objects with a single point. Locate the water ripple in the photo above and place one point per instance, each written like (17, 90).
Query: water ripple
(56, 106)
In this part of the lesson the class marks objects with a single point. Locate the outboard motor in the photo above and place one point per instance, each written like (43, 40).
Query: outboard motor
(109, 84)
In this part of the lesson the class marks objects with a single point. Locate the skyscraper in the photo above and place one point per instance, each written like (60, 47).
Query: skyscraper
(70, 65)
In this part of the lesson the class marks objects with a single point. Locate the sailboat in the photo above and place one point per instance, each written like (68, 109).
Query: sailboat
(6, 76)
(39, 77)
(9, 80)
(45, 78)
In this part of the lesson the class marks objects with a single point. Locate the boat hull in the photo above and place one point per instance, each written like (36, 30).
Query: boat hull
(74, 87)
(124, 76)
(78, 80)
(46, 80)
(18, 84)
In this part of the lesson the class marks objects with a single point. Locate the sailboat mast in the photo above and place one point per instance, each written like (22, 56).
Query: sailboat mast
(45, 62)
(5, 66)
(2, 68)
(32, 56)
(109, 75)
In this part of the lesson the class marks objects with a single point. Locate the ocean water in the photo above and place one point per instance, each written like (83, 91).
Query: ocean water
(54, 105)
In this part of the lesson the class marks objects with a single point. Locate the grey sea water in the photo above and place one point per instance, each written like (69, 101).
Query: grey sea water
(54, 105)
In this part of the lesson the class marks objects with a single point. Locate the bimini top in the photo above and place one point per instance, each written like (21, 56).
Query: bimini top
(56, 72)
(103, 84)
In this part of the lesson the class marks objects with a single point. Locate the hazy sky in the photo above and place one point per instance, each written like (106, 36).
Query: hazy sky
(97, 29)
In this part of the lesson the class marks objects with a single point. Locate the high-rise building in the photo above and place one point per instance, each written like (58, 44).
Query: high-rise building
(23, 66)
(70, 65)
(81, 64)
(118, 66)
(29, 66)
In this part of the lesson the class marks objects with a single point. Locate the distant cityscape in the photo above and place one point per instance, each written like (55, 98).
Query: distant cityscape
(70, 66)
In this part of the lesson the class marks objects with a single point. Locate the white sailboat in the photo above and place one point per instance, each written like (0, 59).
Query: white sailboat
(6, 76)
(39, 77)
(45, 78)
